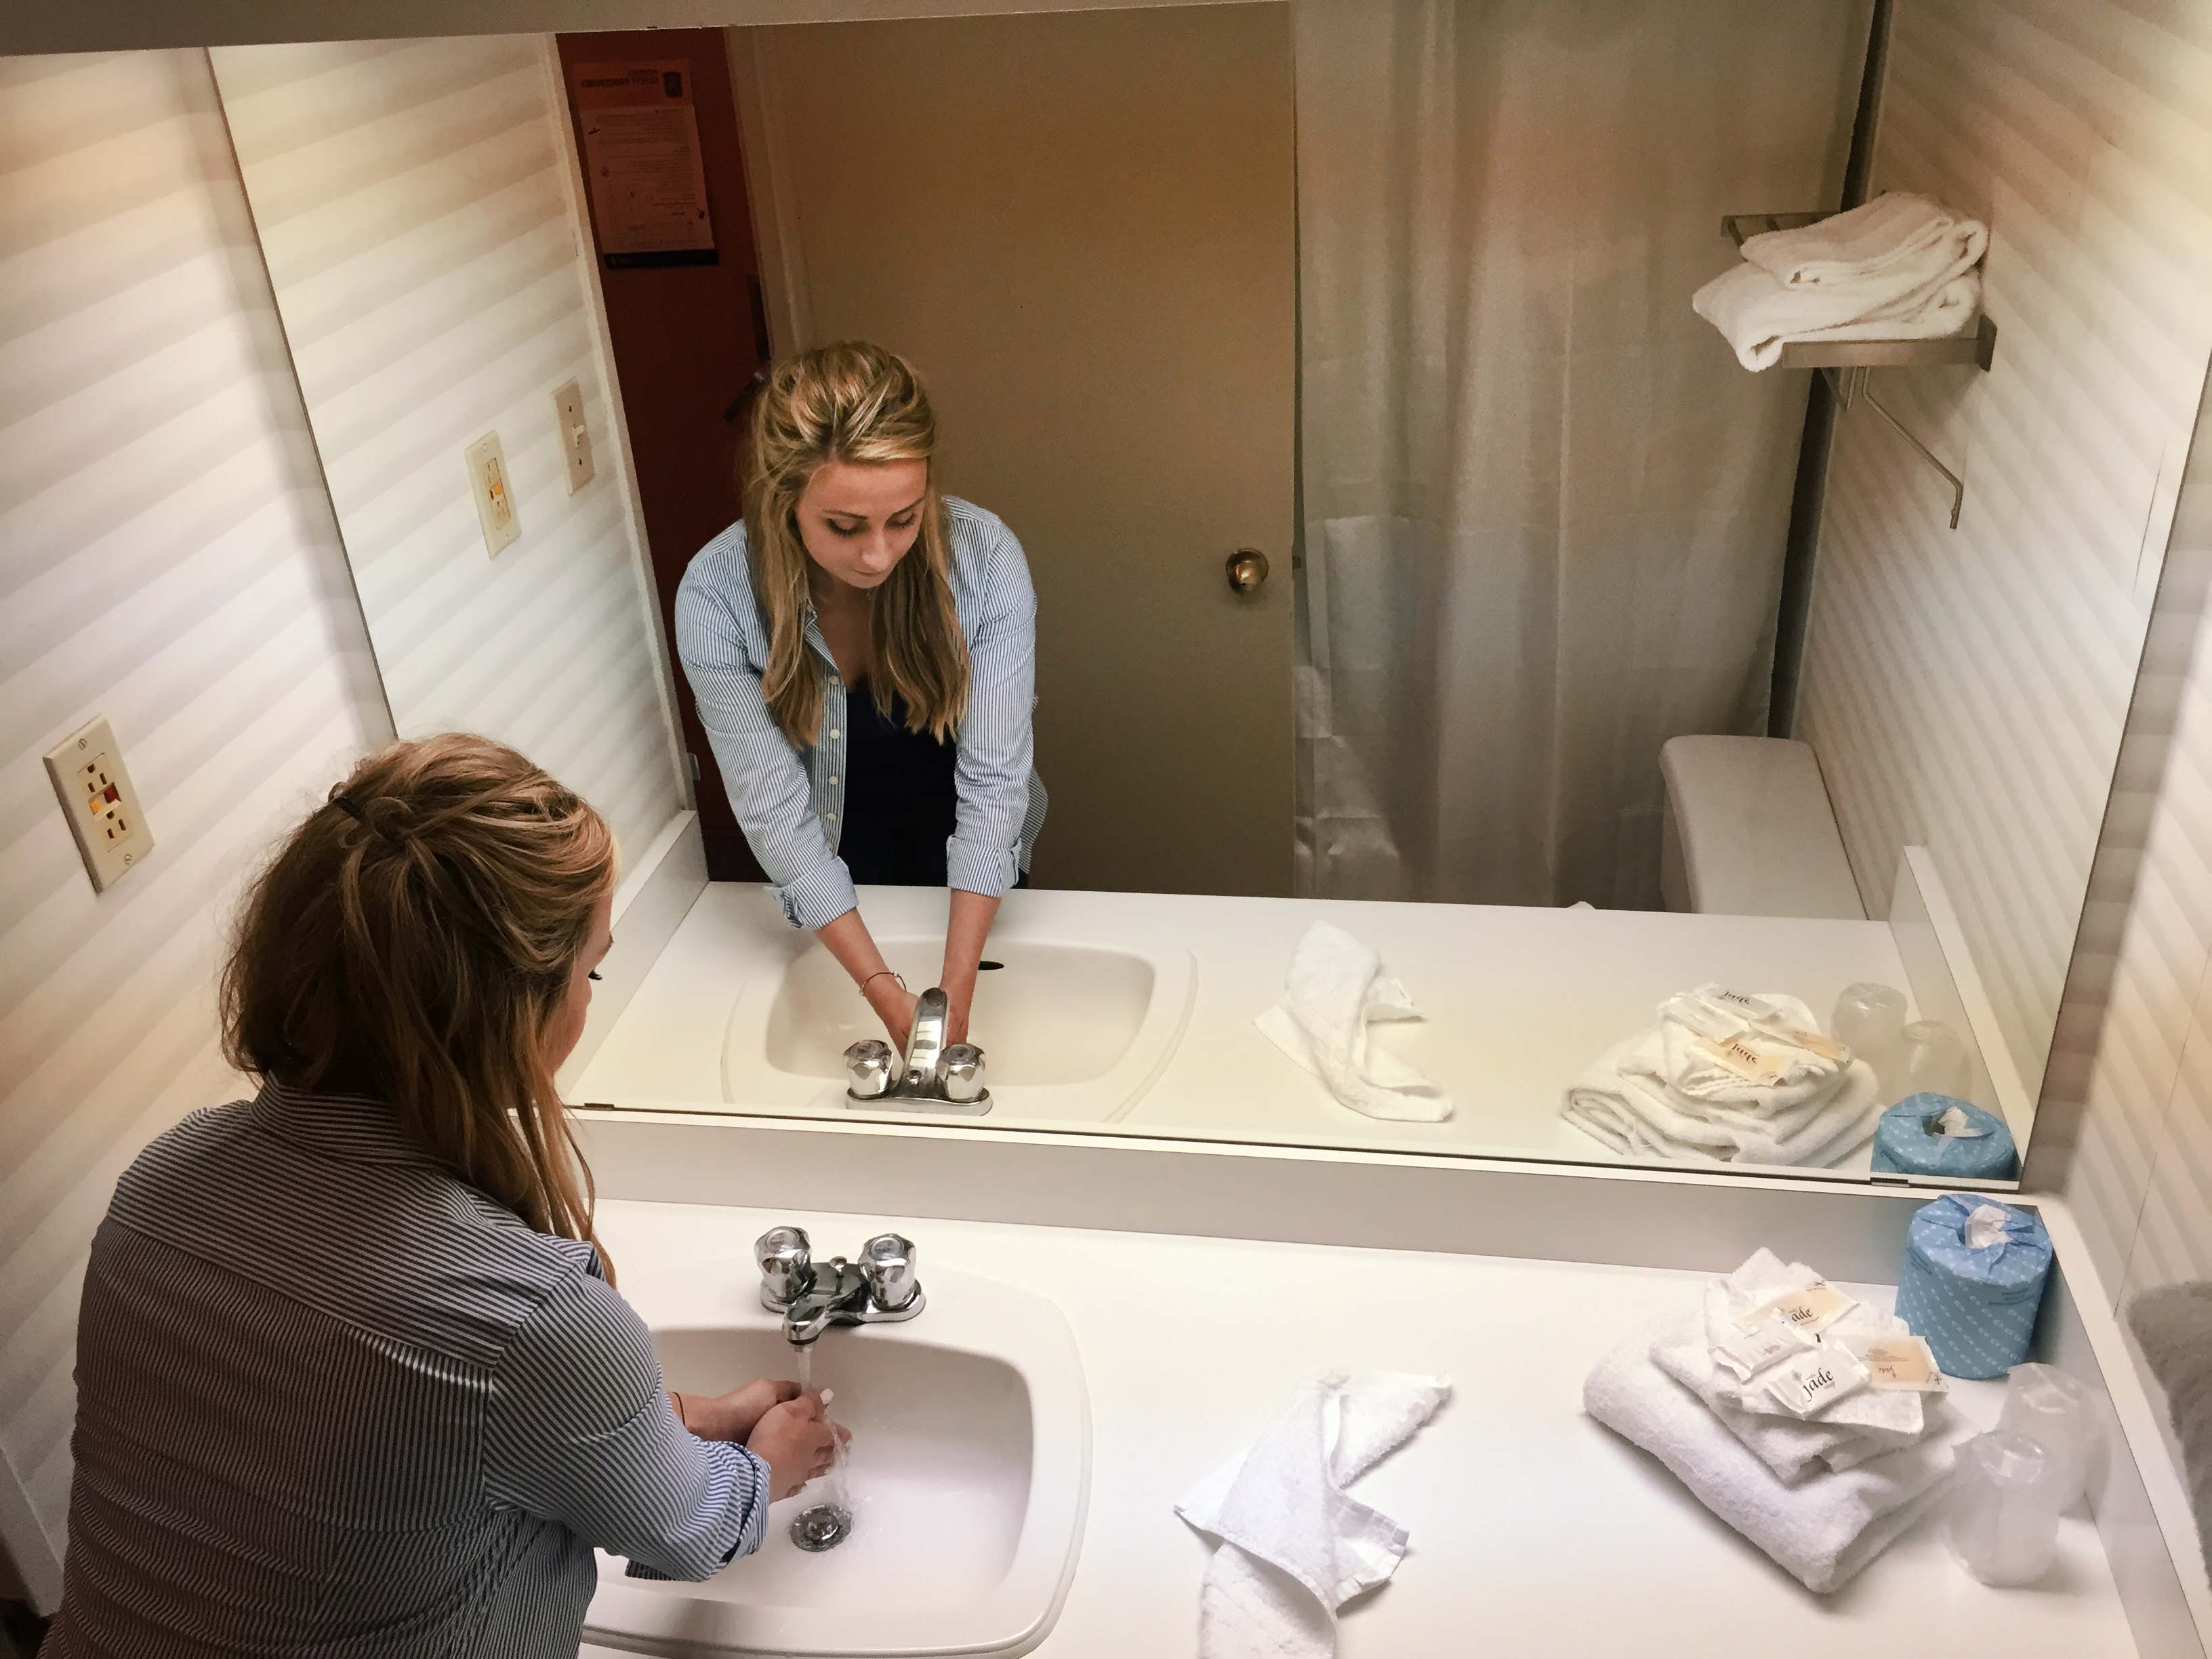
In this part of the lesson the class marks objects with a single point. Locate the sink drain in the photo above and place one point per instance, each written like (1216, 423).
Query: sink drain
(821, 1527)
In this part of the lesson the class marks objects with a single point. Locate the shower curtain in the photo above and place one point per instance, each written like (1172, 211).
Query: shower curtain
(1543, 511)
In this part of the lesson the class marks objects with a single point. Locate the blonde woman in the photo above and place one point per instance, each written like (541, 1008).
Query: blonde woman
(352, 1374)
(863, 650)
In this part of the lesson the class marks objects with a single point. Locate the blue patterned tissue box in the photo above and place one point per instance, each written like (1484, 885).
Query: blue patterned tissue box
(1975, 1304)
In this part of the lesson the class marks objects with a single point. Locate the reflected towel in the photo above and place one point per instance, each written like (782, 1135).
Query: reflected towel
(1619, 1102)
(1336, 989)
(1823, 1530)
(1294, 1545)
(1899, 240)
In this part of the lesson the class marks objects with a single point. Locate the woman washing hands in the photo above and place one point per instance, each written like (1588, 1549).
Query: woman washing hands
(352, 1372)
(863, 651)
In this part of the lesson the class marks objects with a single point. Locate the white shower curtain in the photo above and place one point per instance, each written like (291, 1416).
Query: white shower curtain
(1543, 510)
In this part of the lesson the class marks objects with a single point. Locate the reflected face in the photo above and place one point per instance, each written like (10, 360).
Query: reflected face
(858, 521)
(567, 1026)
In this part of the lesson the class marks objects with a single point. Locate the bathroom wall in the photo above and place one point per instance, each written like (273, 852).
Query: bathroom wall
(413, 201)
(1966, 689)
(168, 558)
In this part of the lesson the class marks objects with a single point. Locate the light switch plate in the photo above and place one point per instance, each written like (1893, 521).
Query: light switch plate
(575, 436)
(94, 789)
(495, 493)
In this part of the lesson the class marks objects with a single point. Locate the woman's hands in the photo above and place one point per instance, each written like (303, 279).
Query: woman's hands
(966, 926)
(731, 1416)
(796, 1442)
(894, 1005)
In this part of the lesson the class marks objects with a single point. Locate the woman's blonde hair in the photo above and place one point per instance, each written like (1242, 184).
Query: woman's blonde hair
(413, 942)
(858, 403)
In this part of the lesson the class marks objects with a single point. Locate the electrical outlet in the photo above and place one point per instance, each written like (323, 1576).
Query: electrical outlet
(494, 493)
(575, 436)
(93, 787)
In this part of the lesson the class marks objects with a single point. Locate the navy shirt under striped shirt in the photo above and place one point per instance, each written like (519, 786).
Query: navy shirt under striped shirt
(332, 1400)
(790, 802)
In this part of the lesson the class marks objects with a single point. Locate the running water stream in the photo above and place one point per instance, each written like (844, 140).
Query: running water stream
(826, 1522)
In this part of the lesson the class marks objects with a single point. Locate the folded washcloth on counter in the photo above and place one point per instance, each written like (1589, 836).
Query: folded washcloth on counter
(1728, 1078)
(1295, 1547)
(1899, 241)
(1335, 990)
(1851, 1431)
(1759, 316)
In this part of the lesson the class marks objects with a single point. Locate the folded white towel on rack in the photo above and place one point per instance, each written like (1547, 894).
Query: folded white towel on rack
(1335, 990)
(1295, 1547)
(1758, 316)
(1899, 239)
(1852, 1430)
(1823, 1530)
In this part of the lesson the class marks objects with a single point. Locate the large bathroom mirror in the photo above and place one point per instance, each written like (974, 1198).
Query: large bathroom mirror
(1409, 556)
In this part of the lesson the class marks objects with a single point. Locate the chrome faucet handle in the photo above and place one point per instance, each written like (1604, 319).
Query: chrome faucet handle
(925, 1048)
(871, 1068)
(964, 1072)
(891, 1266)
(786, 1257)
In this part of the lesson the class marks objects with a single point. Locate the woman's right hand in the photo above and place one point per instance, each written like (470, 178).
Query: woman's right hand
(796, 1442)
(894, 1005)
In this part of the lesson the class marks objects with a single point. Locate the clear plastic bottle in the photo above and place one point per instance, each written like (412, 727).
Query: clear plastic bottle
(2004, 1509)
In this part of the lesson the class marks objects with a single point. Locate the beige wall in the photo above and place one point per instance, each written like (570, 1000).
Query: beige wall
(168, 558)
(1081, 228)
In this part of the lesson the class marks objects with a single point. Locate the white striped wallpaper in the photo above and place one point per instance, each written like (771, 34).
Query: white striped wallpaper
(1966, 689)
(429, 264)
(168, 558)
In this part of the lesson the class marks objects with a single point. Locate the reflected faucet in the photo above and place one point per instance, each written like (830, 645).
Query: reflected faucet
(933, 1075)
(883, 1287)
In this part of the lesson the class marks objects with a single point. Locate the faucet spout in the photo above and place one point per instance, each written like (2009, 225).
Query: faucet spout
(925, 1048)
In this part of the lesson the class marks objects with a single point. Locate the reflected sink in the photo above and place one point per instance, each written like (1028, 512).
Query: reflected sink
(970, 1476)
(1070, 1030)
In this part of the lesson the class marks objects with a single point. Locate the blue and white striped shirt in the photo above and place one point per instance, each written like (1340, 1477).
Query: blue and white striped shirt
(332, 1400)
(790, 802)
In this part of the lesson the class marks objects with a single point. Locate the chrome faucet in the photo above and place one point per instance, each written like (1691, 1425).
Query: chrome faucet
(881, 1288)
(933, 1075)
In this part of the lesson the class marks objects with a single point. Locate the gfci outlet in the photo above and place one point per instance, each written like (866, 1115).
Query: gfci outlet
(575, 436)
(495, 494)
(93, 787)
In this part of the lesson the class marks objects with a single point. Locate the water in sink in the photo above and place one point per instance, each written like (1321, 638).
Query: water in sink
(943, 1438)
(827, 1522)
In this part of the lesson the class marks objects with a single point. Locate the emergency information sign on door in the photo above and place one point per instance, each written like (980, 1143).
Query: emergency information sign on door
(643, 163)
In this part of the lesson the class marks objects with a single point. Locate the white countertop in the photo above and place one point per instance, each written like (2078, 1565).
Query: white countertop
(1517, 1002)
(1533, 1528)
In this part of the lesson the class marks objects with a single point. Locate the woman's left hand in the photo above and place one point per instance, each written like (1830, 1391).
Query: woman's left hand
(734, 1415)
(959, 994)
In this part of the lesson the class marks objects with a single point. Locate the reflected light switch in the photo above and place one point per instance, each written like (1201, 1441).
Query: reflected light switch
(494, 493)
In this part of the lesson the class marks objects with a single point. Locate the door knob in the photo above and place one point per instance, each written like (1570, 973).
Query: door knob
(1247, 568)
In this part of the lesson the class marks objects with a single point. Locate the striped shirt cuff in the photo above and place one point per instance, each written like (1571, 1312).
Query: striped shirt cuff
(974, 867)
(751, 1486)
(818, 897)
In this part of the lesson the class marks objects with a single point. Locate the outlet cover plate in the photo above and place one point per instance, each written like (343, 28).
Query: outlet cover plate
(575, 434)
(493, 488)
(99, 800)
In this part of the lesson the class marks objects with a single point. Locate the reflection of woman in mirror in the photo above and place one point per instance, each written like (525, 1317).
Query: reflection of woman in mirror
(863, 650)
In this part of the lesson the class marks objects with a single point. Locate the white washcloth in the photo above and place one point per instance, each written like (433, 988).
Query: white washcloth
(1854, 1429)
(1294, 1546)
(1681, 1063)
(1335, 990)
(1898, 238)
(1760, 316)
(1822, 1531)
(1620, 1102)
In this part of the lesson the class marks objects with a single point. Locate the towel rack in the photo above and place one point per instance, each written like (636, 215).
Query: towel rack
(1845, 362)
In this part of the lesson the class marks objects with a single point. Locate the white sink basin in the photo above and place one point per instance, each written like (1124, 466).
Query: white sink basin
(1074, 1031)
(970, 1476)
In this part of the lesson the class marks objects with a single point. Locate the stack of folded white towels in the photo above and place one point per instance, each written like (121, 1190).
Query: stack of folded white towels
(1812, 1423)
(1728, 1078)
(1903, 267)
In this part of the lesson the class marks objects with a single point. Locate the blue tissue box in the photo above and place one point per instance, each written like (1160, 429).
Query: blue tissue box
(1975, 1304)
(1905, 1144)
